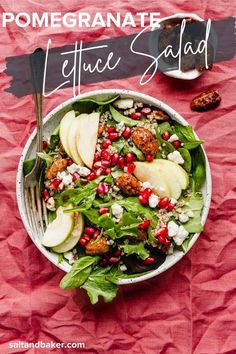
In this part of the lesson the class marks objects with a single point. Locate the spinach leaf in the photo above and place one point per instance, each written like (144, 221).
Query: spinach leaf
(79, 272)
(187, 159)
(194, 204)
(164, 127)
(187, 136)
(28, 166)
(118, 117)
(198, 168)
(87, 105)
(185, 244)
(137, 248)
(47, 158)
(100, 284)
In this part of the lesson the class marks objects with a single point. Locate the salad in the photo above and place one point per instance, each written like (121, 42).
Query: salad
(122, 185)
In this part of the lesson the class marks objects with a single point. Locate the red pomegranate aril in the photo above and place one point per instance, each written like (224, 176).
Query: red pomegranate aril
(163, 232)
(75, 176)
(127, 133)
(100, 171)
(170, 206)
(45, 144)
(89, 230)
(54, 184)
(104, 262)
(103, 210)
(143, 200)
(92, 176)
(106, 143)
(122, 162)
(97, 158)
(46, 194)
(136, 115)
(82, 241)
(96, 234)
(105, 155)
(176, 144)
(70, 162)
(115, 159)
(166, 136)
(131, 167)
(148, 260)
(117, 253)
(146, 193)
(106, 163)
(113, 136)
(163, 203)
(110, 129)
(149, 157)
(86, 237)
(129, 157)
(101, 188)
(107, 171)
(114, 259)
(145, 225)
(145, 111)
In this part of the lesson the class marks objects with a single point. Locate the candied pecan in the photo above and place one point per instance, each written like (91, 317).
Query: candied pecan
(97, 246)
(128, 184)
(144, 140)
(58, 165)
(159, 115)
(206, 100)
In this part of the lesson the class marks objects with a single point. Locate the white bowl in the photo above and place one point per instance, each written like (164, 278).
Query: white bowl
(178, 74)
(50, 122)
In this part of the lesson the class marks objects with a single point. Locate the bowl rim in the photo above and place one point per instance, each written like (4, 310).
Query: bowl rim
(128, 93)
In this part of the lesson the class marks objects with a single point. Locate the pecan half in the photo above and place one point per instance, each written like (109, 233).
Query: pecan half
(58, 165)
(206, 100)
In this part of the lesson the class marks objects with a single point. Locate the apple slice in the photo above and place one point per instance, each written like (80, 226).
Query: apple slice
(175, 170)
(172, 182)
(72, 140)
(86, 137)
(73, 239)
(151, 172)
(65, 126)
(61, 228)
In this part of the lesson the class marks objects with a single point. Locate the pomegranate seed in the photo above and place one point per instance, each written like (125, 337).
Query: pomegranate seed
(96, 234)
(145, 111)
(149, 157)
(89, 230)
(163, 232)
(104, 262)
(114, 259)
(136, 115)
(45, 144)
(103, 210)
(166, 136)
(70, 162)
(115, 158)
(126, 133)
(82, 241)
(86, 237)
(146, 193)
(129, 157)
(121, 162)
(145, 225)
(106, 163)
(117, 253)
(105, 155)
(148, 260)
(106, 143)
(92, 176)
(170, 206)
(99, 172)
(110, 129)
(97, 158)
(107, 171)
(46, 194)
(143, 200)
(176, 144)
(163, 203)
(131, 167)
(106, 188)
(54, 184)
(113, 136)
(75, 176)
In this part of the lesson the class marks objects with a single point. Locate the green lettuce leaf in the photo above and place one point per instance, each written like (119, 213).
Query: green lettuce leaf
(87, 105)
(194, 203)
(137, 248)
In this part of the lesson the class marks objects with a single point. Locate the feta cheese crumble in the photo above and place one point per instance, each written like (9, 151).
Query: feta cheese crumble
(124, 103)
(117, 211)
(172, 228)
(84, 171)
(178, 233)
(146, 185)
(123, 267)
(176, 157)
(72, 168)
(67, 180)
(51, 204)
(183, 218)
(153, 200)
(173, 137)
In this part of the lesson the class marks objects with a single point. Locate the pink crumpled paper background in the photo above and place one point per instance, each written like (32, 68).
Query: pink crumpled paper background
(188, 309)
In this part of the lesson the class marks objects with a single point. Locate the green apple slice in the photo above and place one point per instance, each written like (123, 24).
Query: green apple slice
(72, 140)
(65, 126)
(150, 172)
(73, 239)
(172, 182)
(175, 170)
(60, 228)
(86, 137)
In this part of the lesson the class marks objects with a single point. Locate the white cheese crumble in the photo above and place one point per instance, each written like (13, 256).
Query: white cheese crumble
(117, 211)
(190, 213)
(61, 175)
(51, 204)
(183, 218)
(153, 200)
(173, 201)
(70, 257)
(124, 103)
(123, 267)
(84, 171)
(172, 228)
(146, 185)
(72, 168)
(173, 137)
(181, 235)
(176, 157)
(67, 180)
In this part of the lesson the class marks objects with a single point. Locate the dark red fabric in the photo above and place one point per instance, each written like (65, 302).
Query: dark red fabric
(188, 309)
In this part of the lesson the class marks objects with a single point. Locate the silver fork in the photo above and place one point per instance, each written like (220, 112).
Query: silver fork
(35, 206)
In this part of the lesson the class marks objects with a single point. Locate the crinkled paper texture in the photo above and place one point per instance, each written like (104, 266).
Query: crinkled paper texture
(188, 309)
